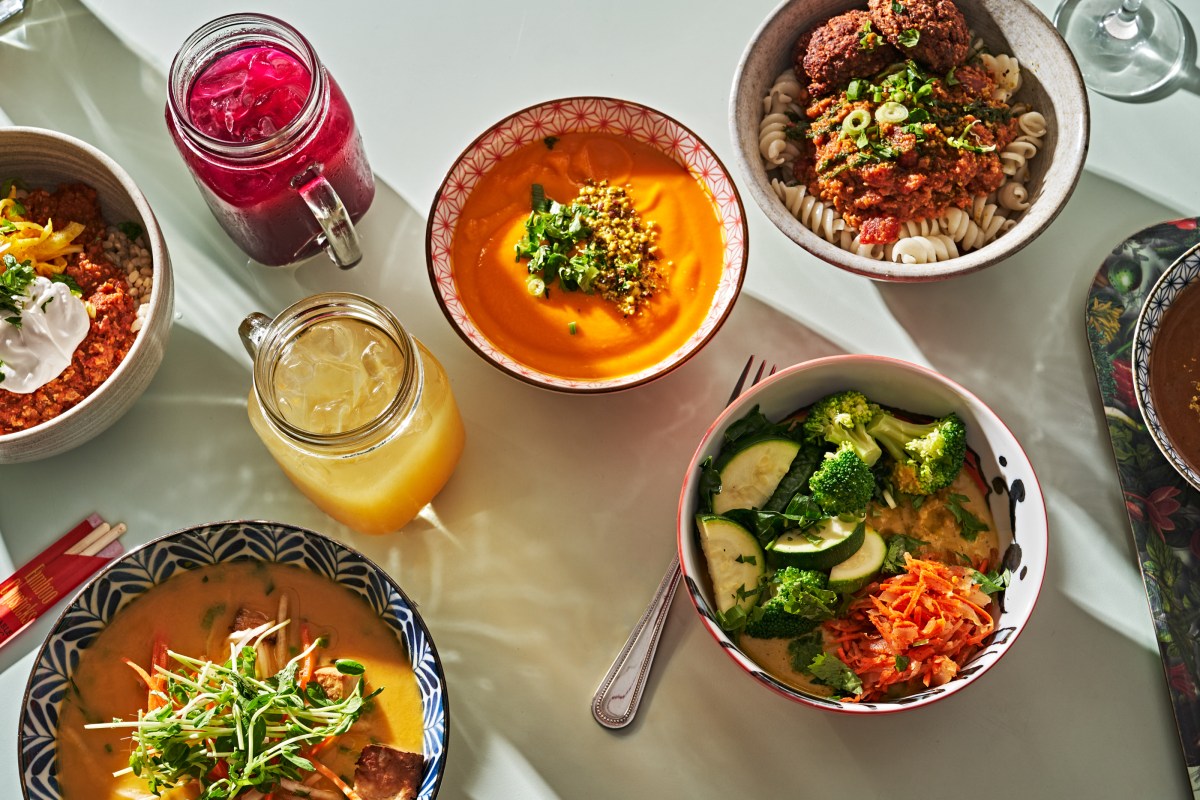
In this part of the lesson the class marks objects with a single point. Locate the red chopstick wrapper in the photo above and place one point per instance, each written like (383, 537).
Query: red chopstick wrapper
(48, 578)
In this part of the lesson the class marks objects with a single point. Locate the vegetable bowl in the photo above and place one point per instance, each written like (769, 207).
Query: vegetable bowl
(862, 535)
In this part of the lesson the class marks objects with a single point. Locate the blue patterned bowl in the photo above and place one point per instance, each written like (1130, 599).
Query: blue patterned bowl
(1171, 283)
(136, 572)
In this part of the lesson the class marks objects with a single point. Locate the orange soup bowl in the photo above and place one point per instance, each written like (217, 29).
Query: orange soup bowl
(587, 341)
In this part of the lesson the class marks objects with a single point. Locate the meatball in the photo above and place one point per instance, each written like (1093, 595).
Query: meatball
(932, 32)
(844, 48)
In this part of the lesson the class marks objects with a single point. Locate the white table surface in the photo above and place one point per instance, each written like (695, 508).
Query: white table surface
(529, 582)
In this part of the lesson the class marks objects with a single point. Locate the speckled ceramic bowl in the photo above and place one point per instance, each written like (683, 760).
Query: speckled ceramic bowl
(136, 572)
(1051, 84)
(1014, 498)
(1170, 284)
(577, 115)
(45, 159)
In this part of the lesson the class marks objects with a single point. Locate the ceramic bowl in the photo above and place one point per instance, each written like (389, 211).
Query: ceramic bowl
(1170, 284)
(45, 159)
(578, 115)
(1051, 84)
(1015, 500)
(131, 575)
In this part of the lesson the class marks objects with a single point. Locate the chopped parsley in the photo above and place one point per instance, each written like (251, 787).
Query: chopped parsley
(71, 283)
(833, 671)
(897, 546)
(596, 244)
(970, 525)
(901, 663)
(909, 37)
(14, 284)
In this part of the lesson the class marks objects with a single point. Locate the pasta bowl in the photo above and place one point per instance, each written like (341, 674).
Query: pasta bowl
(1012, 495)
(260, 551)
(988, 232)
(576, 341)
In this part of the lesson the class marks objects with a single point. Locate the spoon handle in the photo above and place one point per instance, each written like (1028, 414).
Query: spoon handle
(620, 691)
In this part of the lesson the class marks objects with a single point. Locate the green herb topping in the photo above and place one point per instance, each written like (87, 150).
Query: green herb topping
(970, 525)
(596, 244)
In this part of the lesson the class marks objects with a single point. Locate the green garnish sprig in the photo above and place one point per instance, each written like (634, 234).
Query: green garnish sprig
(229, 730)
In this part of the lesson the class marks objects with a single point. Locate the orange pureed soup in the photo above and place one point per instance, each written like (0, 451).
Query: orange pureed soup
(537, 331)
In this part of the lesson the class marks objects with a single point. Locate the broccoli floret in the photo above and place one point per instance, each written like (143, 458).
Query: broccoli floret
(927, 456)
(841, 419)
(800, 600)
(843, 484)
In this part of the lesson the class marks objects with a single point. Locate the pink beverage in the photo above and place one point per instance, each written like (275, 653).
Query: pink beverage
(270, 140)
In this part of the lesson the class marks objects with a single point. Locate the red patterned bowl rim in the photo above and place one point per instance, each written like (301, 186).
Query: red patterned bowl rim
(575, 115)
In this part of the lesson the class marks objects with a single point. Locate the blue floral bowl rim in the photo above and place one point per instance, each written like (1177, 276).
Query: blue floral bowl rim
(119, 560)
(1158, 301)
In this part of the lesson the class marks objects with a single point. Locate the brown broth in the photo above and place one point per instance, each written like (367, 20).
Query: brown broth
(1175, 374)
(193, 611)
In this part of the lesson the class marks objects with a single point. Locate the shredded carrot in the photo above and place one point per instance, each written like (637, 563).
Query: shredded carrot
(932, 617)
(310, 661)
(158, 682)
(335, 780)
(145, 676)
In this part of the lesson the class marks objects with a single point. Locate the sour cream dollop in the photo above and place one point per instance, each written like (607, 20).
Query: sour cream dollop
(53, 323)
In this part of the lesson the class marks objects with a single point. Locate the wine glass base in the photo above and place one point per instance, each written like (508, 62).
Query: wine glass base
(1121, 59)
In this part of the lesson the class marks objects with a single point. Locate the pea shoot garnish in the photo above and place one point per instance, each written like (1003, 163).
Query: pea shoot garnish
(227, 729)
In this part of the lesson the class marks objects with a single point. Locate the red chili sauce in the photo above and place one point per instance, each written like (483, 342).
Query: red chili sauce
(104, 286)
(1175, 374)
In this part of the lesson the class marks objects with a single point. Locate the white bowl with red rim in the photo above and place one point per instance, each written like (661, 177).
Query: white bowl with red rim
(584, 115)
(1014, 498)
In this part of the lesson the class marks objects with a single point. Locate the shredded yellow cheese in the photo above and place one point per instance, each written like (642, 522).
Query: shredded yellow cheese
(46, 248)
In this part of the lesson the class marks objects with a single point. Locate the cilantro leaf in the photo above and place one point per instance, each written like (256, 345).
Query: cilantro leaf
(992, 582)
(897, 546)
(804, 649)
(833, 671)
(908, 38)
(970, 525)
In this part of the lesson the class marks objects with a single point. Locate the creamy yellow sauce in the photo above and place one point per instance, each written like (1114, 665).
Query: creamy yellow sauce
(180, 610)
(932, 523)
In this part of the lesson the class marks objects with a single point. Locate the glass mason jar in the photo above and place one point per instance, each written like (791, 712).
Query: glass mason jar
(356, 411)
(270, 140)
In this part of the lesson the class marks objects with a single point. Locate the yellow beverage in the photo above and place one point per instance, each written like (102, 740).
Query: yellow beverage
(362, 421)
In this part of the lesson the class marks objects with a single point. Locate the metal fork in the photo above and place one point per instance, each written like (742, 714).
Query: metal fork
(620, 692)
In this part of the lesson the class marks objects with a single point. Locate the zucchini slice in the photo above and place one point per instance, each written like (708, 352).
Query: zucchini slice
(822, 546)
(749, 476)
(858, 570)
(736, 565)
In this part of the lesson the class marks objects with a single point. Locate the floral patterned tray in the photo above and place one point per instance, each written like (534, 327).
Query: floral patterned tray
(1163, 509)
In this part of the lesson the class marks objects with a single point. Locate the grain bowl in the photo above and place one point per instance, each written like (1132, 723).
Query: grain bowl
(68, 176)
(981, 535)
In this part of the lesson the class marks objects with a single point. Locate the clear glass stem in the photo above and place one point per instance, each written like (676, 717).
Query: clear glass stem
(1123, 23)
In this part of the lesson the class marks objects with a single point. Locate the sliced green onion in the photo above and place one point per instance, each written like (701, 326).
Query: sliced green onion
(855, 90)
(535, 285)
(571, 328)
(856, 121)
(891, 112)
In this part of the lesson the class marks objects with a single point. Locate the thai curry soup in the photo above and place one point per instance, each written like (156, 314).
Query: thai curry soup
(194, 613)
(581, 334)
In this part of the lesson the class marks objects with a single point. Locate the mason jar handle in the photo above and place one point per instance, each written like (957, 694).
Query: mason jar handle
(253, 330)
(341, 240)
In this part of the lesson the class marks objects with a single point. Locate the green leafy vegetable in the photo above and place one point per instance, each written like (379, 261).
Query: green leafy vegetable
(131, 229)
(804, 649)
(908, 37)
(961, 142)
(901, 663)
(970, 525)
(994, 581)
(14, 284)
(833, 671)
(898, 545)
(71, 283)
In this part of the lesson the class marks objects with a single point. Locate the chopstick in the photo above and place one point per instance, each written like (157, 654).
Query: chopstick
(97, 540)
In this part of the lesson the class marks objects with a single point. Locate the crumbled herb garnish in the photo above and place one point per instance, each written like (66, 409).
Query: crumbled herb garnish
(867, 38)
(596, 244)
(916, 501)
(897, 7)
(901, 663)
(46, 302)
(550, 141)
(131, 229)
(211, 614)
(14, 283)
(804, 649)
(951, 78)
(970, 525)
(572, 328)
(908, 37)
